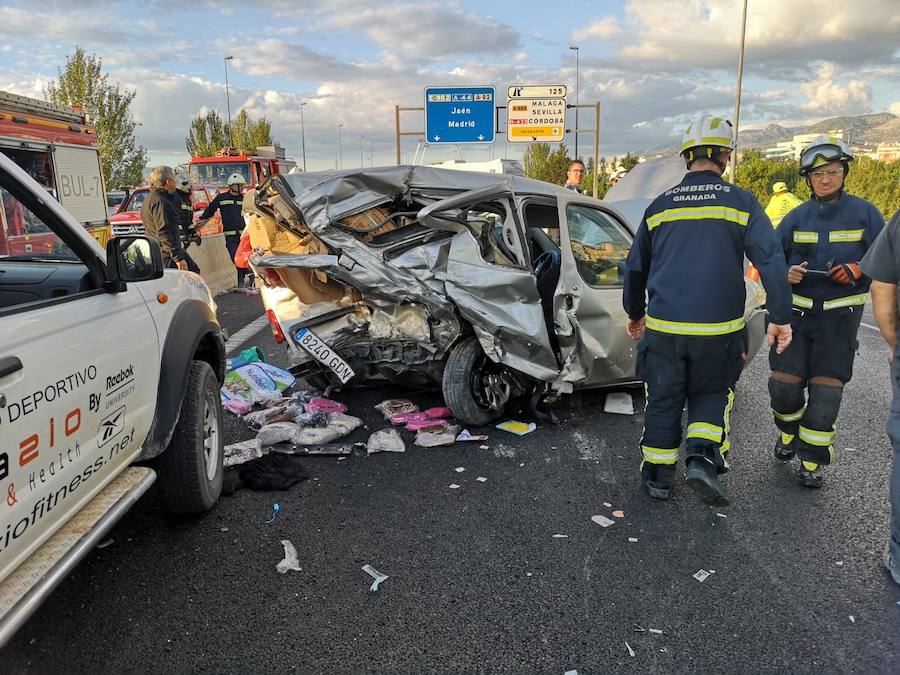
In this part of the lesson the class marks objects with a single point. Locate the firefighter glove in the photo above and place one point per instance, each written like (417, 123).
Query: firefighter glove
(846, 274)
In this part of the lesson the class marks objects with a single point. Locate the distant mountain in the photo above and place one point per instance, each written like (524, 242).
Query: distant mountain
(870, 129)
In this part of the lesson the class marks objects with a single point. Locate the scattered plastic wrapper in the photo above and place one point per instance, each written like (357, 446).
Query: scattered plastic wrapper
(255, 383)
(428, 425)
(238, 406)
(465, 435)
(376, 575)
(396, 406)
(290, 561)
(603, 521)
(386, 440)
(238, 453)
(249, 355)
(339, 425)
(701, 575)
(275, 509)
(618, 403)
(326, 405)
(517, 428)
(429, 439)
(289, 412)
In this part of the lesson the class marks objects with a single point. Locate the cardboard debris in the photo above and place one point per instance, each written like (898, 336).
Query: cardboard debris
(618, 514)
(603, 521)
(701, 575)
(481, 479)
(618, 403)
(517, 428)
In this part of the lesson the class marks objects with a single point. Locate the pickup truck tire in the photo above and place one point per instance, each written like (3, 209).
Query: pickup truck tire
(190, 470)
(469, 384)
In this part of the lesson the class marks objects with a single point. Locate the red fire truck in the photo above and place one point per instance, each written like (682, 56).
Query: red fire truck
(255, 168)
(57, 147)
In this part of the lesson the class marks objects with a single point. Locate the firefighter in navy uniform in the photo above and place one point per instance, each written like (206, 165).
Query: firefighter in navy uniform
(823, 240)
(688, 256)
(182, 197)
(229, 204)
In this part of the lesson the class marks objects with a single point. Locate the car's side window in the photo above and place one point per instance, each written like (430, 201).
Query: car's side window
(36, 264)
(600, 245)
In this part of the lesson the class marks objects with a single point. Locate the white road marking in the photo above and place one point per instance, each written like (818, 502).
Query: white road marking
(245, 333)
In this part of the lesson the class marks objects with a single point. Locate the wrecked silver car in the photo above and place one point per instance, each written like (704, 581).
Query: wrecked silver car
(490, 286)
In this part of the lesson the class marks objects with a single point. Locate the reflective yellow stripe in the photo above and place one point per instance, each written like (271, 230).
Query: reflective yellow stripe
(790, 417)
(679, 328)
(802, 302)
(848, 301)
(845, 235)
(726, 444)
(801, 237)
(659, 455)
(820, 439)
(709, 432)
(786, 439)
(698, 213)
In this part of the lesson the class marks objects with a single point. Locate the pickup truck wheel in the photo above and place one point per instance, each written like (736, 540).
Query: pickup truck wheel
(475, 388)
(191, 468)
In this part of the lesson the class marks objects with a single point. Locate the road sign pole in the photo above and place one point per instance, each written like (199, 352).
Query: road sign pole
(397, 121)
(596, 146)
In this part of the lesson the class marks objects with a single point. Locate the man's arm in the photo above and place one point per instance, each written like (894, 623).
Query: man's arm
(765, 251)
(634, 292)
(211, 208)
(884, 306)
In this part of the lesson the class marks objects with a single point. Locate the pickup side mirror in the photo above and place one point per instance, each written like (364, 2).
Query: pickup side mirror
(132, 258)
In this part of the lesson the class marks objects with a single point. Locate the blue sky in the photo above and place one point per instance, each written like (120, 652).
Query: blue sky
(651, 63)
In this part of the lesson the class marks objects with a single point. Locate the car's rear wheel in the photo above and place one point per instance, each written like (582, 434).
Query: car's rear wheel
(475, 388)
(191, 468)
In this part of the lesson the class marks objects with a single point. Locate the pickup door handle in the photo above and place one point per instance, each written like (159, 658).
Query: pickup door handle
(9, 365)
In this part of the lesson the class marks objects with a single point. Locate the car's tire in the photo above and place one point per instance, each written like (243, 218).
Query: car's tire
(190, 470)
(464, 384)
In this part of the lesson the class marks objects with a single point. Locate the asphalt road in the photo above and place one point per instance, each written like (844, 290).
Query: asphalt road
(478, 582)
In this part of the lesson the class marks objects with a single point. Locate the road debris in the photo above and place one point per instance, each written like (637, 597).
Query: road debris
(376, 575)
(618, 403)
(484, 447)
(632, 539)
(603, 521)
(238, 453)
(105, 543)
(255, 383)
(269, 472)
(396, 406)
(386, 440)
(618, 514)
(482, 479)
(275, 509)
(839, 563)
(607, 505)
(560, 536)
(324, 449)
(434, 439)
(630, 650)
(223, 529)
(465, 435)
(701, 575)
(459, 469)
(453, 486)
(517, 428)
(852, 619)
(721, 515)
(290, 561)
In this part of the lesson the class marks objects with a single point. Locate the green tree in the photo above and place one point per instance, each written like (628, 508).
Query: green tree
(249, 134)
(83, 84)
(543, 164)
(207, 135)
(629, 161)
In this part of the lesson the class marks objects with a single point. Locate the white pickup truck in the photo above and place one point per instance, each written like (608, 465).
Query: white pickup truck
(110, 369)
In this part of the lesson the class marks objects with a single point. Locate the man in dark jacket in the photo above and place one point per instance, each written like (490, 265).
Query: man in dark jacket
(186, 210)
(161, 217)
(823, 240)
(688, 256)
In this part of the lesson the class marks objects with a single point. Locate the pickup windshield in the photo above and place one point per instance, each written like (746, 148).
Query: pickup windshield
(217, 173)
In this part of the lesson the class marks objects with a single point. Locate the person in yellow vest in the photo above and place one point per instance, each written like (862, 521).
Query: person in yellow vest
(781, 203)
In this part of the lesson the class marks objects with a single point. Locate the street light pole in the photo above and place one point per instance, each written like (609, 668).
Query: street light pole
(362, 164)
(228, 99)
(372, 153)
(737, 100)
(302, 136)
(340, 147)
(577, 51)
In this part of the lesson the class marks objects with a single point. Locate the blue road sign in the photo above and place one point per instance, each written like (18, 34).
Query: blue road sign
(459, 114)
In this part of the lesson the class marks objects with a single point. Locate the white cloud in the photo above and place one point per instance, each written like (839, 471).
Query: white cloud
(827, 96)
(894, 108)
(288, 60)
(428, 30)
(603, 28)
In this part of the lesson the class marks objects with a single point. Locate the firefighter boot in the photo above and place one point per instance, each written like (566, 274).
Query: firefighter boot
(659, 480)
(810, 475)
(784, 449)
(703, 478)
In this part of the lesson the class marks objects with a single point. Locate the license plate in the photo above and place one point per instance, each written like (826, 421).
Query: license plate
(321, 352)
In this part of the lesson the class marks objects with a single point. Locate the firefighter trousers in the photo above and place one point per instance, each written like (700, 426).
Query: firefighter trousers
(701, 371)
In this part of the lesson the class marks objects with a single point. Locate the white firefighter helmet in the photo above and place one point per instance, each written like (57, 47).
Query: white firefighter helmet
(236, 179)
(825, 150)
(708, 131)
(182, 182)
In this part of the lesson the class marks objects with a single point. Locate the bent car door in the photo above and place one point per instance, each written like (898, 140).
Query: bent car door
(490, 280)
(77, 391)
(588, 313)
